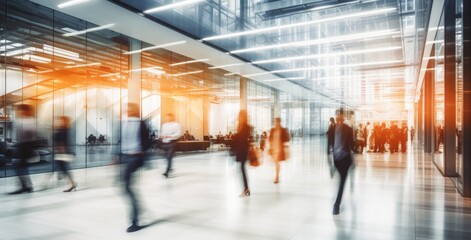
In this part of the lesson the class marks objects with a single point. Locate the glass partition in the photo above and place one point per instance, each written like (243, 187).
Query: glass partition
(86, 78)
(439, 90)
(459, 89)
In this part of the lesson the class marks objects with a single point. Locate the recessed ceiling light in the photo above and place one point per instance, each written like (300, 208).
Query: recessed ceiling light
(172, 6)
(71, 3)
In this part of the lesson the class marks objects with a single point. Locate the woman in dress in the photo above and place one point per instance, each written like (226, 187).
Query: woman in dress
(278, 151)
(241, 148)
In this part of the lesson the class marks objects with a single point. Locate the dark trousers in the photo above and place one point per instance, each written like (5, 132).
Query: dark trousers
(169, 152)
(342, 166)
(330, 146)
(21, 167)
(21, 170)
(63, 168)
(133, 163)
(242, 158)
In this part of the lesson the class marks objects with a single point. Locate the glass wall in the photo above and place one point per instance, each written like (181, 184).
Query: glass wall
(439, 92)
(86, 77)
(261, 106)
(459, 90)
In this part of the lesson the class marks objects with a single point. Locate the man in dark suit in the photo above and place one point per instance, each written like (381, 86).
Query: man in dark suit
(26, 135)
(330, 136)
(343, 145)
(135, 141)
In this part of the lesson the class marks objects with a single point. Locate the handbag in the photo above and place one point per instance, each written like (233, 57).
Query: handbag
(65, 157)
(254, 157)
(286, 153)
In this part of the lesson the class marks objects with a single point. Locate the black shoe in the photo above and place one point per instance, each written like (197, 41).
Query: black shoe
(22, 190)
(336, 210)
(245, 193)
(165, 175)
(72, 188)
(133, 228)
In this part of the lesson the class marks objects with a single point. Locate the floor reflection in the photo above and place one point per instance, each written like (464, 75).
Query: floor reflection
(387, 196)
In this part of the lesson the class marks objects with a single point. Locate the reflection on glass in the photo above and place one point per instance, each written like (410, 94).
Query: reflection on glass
(439, 90)
(459, 89)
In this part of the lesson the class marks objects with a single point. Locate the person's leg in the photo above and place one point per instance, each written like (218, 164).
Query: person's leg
(169, 154)
(277, 170)
(63, 166)
(244, 175)
(376, 148)
(343, 178)
(132, 165)
(23, 172)
(342, 166)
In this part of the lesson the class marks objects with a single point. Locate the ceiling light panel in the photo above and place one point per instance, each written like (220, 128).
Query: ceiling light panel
(94, 29)
(84, 65)
(156, 47)
(189, 62)
(315, 56)
(324, 20)
(325, 67)
(356, 36)
(227, 65)
(172, 6)
(71, 3)
(185, 73)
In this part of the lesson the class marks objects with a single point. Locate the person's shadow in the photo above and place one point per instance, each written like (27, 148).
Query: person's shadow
(155, 222)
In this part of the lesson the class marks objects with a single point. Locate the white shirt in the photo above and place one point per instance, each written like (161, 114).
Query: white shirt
(170, 131)
(131, 131)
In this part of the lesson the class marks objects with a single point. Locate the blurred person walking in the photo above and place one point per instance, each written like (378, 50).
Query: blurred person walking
(359, 139)
(240, 147)
(263, 141)
(379, 141)
(279, 151)
(403, 137)
(169, 135)
(62, 152)
(330, 135)
(343, 145)
(371, 138)
(135, 142)
(394, 138)
(26, 137)
(412, 133)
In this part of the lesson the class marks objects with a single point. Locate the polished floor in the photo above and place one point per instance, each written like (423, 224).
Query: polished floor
(388, 196)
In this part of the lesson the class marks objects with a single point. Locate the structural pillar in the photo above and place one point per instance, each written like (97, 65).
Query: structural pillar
(429, 126)
(134, 81)
(420, 126)
(450, 89)
(277, 106)
(466, 123)
(243, 93)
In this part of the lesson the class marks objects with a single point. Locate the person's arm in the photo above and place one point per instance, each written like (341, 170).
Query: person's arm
(287, 136)
(351, 143)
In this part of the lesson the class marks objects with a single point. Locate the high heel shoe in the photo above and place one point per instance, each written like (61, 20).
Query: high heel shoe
(72, 188)
(276, 181)
(245, 193)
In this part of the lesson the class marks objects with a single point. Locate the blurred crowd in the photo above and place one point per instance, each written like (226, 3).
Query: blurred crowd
(379, 137)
